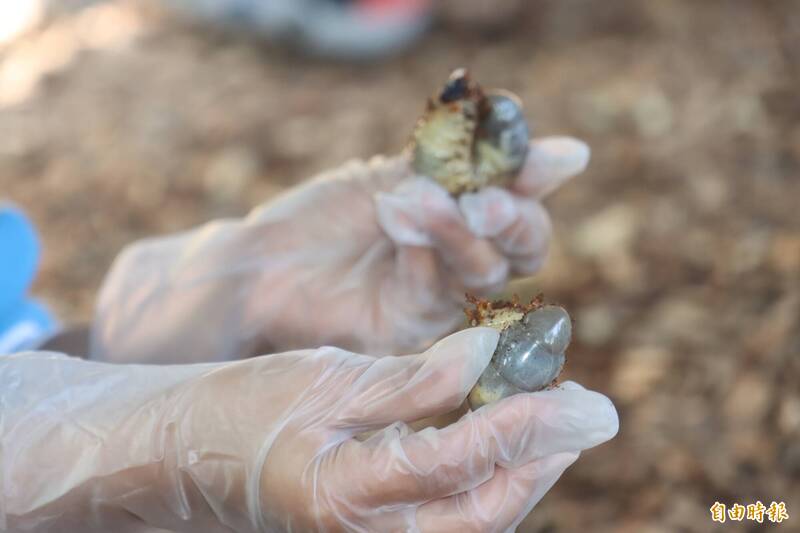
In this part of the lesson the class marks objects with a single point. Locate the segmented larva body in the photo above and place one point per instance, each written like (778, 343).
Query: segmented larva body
(468, 138)
(530, 353)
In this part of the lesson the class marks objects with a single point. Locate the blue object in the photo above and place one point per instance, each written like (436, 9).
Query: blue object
(23, 322)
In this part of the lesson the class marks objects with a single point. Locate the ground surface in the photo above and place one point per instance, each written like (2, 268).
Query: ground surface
(678, 252)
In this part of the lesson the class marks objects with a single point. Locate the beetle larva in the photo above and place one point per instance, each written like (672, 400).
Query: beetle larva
(530, 352)
(468, 138)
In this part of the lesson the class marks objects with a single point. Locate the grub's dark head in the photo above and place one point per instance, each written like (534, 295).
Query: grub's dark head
(457, 87)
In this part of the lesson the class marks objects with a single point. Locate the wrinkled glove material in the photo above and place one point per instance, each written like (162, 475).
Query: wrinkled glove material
(367, 257)
(269, 443)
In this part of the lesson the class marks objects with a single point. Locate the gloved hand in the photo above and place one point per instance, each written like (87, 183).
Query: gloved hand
(267, 444)
(368, 258)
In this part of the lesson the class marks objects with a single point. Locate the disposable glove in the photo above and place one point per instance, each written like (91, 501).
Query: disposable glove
(268, 444)
(367, 257)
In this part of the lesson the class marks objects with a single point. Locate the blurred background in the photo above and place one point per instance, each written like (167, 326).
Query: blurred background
(677, 252)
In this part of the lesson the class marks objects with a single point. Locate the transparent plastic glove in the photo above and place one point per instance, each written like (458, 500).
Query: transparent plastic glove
(268, 444)
(367, 257)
